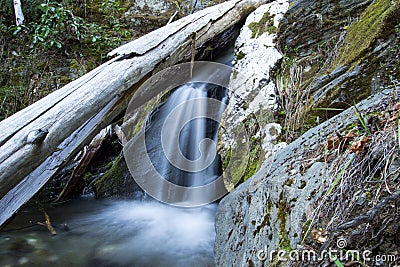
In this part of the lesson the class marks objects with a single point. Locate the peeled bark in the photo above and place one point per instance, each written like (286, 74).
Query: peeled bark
(38, 140)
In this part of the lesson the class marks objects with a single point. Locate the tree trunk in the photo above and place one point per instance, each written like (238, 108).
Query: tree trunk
(19, 16)
(39, 139)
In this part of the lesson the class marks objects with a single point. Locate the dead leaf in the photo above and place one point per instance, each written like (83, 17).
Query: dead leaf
(351, 135)
(358, 146)
(341, 141)
(333, 143)
(394, 117)
(320, 235)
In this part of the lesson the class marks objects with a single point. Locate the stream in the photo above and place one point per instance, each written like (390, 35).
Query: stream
(112, 233)
(138, 232)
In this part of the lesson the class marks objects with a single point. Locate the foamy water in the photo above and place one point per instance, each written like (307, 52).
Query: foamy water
(116, 233)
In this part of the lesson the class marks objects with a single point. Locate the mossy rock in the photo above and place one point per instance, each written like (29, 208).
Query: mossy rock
(266, 24)
(116, 181)
(377, 21)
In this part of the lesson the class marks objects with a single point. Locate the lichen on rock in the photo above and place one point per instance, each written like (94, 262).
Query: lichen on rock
(252, 93)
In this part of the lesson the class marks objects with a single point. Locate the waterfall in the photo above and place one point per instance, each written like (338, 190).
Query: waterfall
(182, 131)
(191, 132)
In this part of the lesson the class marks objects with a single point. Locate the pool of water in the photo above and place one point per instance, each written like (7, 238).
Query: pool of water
(112, 233)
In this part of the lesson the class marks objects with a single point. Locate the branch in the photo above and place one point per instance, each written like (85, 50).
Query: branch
(371, 214)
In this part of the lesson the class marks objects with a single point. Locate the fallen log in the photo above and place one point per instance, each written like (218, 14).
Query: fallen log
(37, 141)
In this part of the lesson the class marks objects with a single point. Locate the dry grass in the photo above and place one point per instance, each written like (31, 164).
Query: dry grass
(364, 205)
(293, 99)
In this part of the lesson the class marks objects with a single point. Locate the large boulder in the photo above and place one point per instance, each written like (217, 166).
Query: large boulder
(269, 211)
(334, 54)
(253, 97)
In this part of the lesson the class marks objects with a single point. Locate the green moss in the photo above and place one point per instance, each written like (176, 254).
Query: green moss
(283, 212)
(227, 159)
(235, 74)
(87, 177)
(239, 55)
(266, 24)
(361, 35)
(351, 127)
(254, 158)
(112, 180)
(252, 168)
(249, 162)
(289, 182)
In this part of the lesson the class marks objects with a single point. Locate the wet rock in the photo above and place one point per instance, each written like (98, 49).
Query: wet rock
(116, 181)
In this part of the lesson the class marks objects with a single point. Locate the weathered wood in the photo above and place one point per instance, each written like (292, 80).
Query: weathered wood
(80, 168)
(36, 141)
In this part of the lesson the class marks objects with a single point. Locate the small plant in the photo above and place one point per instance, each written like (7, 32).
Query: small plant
(362, 119)
(329, 109)
(57, 26)
(336, 260)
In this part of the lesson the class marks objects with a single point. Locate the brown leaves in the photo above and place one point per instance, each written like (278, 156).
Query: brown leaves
(396, 110)
(320, 235)
(358, 146)
(341, 142)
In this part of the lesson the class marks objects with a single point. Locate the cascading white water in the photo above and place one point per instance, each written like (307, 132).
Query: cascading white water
(189, 138)
(136, 233)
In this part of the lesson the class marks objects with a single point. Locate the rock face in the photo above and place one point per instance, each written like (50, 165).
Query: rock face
(342, 49)
(268, 211)
(333, 54)
(149, 15)
(146, 15)
(252, 93)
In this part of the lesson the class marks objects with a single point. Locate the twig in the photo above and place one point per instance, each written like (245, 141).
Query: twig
(371, 214)
(80, 168)
(172, 18)
(47, 224)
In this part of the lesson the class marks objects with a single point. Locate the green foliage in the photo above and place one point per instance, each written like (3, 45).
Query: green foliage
(362, 119)
(58, 27)
(337, 262)
(58, 42)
